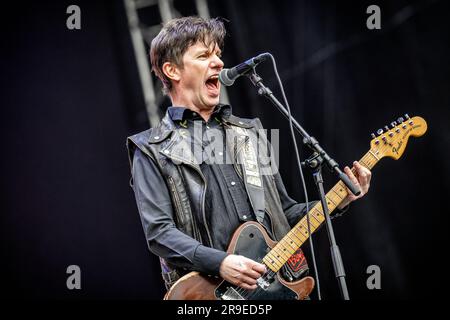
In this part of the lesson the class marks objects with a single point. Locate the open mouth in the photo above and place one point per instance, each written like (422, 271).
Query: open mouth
(212, 83)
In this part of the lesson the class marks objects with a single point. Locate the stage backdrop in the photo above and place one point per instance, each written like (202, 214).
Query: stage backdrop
(70, 99)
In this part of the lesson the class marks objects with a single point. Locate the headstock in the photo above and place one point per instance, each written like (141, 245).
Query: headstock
(391, 142)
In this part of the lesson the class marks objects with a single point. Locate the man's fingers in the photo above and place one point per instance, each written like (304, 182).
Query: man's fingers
(259, 268)
(251, 273)
(241, 279)
(248, 280)
(253, 265)
(242, 271)
(361, 179)
(364, 176)
(246, 286)
(353, 179)
(351, 175)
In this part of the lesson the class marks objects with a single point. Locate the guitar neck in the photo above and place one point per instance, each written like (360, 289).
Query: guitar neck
(295, 238)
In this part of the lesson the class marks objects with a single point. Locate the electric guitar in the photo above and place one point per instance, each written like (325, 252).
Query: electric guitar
(252, 241)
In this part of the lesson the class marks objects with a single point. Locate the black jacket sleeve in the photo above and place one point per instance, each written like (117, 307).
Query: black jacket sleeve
(156, 213)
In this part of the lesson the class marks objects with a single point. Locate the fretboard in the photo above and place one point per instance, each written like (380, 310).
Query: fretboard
(295, 238)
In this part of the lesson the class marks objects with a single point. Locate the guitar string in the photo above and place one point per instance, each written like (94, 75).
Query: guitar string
(246, 293)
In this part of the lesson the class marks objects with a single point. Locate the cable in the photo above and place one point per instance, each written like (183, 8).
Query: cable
(313, 256)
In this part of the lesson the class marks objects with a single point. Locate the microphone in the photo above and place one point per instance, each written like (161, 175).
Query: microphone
(228, 76)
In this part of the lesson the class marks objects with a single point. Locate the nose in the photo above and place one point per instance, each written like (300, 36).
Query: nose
(216, 62)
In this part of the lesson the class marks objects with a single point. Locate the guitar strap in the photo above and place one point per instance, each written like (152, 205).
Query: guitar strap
(297, 265)
(246, 156)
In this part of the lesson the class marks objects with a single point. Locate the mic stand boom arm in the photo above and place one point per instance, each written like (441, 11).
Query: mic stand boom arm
(319, 157)
(308, 140)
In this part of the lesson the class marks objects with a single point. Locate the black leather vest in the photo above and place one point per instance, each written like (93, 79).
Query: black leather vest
(167, 146)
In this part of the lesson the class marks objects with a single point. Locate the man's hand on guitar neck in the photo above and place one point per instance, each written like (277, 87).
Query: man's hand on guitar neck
(241, 271)
(361, 180)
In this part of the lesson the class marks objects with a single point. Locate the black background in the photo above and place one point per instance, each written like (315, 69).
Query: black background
(70, 99)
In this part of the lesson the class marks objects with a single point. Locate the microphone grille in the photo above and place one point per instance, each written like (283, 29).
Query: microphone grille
(224, 79)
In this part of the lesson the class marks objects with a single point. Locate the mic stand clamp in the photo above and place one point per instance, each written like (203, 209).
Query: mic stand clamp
(315, 163)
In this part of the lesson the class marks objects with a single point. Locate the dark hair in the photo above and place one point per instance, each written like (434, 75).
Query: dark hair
(177, 36)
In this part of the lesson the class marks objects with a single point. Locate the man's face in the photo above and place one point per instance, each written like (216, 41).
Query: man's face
(199, 85)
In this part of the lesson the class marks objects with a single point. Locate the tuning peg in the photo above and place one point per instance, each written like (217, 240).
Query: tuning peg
(380, 132)
(393, 124)
(400, 120)
(373, 135)
(406, 116)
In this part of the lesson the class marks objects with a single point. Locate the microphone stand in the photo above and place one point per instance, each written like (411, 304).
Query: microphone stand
(315, 163)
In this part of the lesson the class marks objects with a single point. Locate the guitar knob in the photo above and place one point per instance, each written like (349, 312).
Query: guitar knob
(380, 132)
(400, 120)
(406, 116)
(373, 135)
(393, 124)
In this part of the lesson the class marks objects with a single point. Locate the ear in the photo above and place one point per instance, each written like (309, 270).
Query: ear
(171, 71)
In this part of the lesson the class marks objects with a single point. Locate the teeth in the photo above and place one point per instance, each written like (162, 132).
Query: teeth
(214, 77)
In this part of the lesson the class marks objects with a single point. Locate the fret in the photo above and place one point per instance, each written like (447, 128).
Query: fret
(295, 235)
(318, 210)
(318, 215)
(281, 253)
(291, 243)
(304, 225)
(313, 222)
(373, 155)
(295, 238)
(270, 266)
(273, 261)
(330, 201)
(341, 189)
(277, 259)
(305, 233)
(285, 251)
(337, 194)
(364, 163)
(289, 249)
(300, 231)
(372, 161)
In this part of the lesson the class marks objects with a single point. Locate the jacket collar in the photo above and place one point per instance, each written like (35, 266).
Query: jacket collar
(163, 130)
(167, 126)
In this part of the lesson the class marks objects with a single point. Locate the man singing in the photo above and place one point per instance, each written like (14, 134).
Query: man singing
(190, 203)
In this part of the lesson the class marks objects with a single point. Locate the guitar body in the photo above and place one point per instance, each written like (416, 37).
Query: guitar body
(252, 241)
